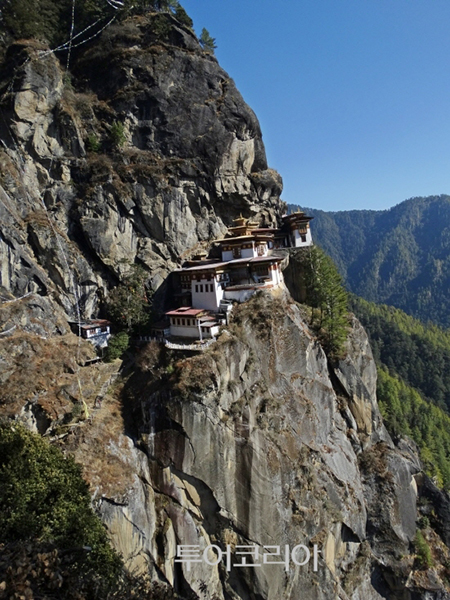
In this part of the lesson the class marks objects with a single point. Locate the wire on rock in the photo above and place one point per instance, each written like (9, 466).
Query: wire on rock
(116, 4)
(72, 27)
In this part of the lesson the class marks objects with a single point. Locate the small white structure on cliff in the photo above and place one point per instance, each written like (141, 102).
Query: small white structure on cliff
(298, 230)
(97, 331)
(193, 323)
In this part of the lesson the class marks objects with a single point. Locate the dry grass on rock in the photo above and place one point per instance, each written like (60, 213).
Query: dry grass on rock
(103, 450)
(36, 369)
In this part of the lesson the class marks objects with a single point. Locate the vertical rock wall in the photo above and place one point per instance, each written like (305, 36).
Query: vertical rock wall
(144, 152)
(256, 442)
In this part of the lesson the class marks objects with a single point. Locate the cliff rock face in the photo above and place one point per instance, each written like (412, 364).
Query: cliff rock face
(257, 442)
(144, 152)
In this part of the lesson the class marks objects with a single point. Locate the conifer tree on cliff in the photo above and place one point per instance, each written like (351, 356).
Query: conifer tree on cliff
(50, 20)
(327, 298)
(207, 42)
(128, 305)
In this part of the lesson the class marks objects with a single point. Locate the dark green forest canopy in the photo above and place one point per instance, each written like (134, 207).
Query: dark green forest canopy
(48, 20)
(405, 412)
(418, 353)
(413, 380)
(399, 256)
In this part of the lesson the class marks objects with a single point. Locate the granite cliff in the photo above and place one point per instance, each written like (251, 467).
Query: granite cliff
(144, 152)
(177, 155)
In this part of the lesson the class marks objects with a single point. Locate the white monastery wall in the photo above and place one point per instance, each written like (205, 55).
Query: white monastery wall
(180, 331)
(298, 239)
(208, 300)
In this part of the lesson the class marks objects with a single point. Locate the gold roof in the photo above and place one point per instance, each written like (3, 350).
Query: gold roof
(252, 237)
(243, 226)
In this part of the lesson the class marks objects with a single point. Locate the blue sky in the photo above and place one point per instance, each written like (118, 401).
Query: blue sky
(353, 96)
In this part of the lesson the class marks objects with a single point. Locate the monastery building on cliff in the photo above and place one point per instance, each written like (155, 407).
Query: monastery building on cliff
(249, 262)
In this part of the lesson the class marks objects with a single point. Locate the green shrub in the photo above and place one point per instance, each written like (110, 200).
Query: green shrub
(117, 133)
(118, 344)
(67, 81)
(161, 27)
(44, 497)
(93, 144)
(424, 522)
(423, 552)
(128, 305)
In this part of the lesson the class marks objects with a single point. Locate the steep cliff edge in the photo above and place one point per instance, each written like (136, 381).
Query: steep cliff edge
(257, 442)
(144, 152)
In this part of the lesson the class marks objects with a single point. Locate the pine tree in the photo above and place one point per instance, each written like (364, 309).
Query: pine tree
(48, 20)
(182, 16)
(207, 42)
(33, 19)
(327, 298)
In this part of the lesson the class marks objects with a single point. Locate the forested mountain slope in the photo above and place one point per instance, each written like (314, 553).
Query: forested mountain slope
(413, 385)
(418, 353)
(399, 256)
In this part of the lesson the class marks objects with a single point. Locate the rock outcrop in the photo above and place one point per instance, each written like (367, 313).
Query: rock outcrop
(255, 442)
(145, 152)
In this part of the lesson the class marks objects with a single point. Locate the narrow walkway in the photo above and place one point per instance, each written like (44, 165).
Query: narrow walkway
(200, 346)
(102, 393)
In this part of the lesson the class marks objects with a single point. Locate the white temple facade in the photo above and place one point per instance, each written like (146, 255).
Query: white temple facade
(299, 231)
(248, 264)
(192, 323)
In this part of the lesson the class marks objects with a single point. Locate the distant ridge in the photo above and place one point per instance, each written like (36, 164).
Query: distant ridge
(399, 256)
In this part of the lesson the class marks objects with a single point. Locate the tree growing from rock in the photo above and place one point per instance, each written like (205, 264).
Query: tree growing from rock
(327, 298)
(50, 21)
(117, 345)
(128, 305)
(182, 16)
(207, 42)
(52, 544)
(43, 496)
